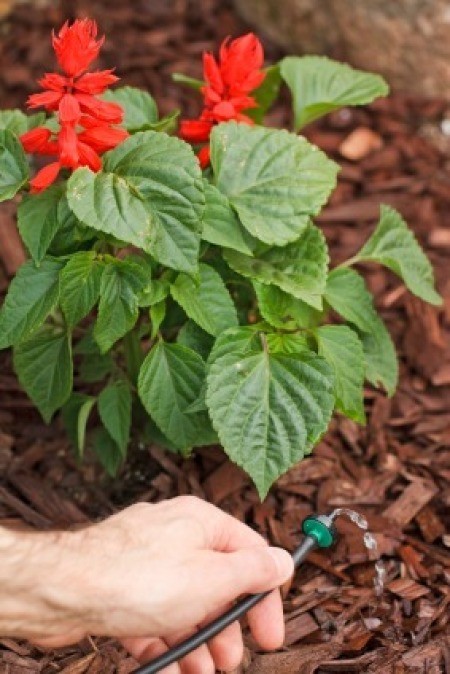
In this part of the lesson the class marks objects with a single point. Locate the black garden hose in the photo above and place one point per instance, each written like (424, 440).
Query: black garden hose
(319, 533)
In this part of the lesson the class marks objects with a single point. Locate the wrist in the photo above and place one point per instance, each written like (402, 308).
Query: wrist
(35, 597)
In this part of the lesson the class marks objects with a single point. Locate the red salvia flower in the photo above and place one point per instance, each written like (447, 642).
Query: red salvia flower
(226, 93)
(85, 120)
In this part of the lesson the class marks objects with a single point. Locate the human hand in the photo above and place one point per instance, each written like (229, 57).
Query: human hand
(153, 574)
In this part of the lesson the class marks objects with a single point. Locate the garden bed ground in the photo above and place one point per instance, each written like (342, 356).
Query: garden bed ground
(395, 471)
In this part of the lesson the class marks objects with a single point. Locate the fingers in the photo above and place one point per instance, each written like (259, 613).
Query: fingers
(145, 650)
(266, 622)
(227, 648)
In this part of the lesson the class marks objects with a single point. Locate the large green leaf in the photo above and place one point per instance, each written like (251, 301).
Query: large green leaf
(114, 407)
(171, 380)
(80, 285)
(273, 179)
(192, 336)
(207, 302)
(268, 408)
(32, 295)
(149, 194)
(139, 107)
(44, 367)
(118, 310)
(299, 268)
(342, 349)
(75, 414)
(18, 122)
(40, 217)
(320, 85)
(347, 294)
(283, 310)
(394, 245)
(13, 165)
(220, 223)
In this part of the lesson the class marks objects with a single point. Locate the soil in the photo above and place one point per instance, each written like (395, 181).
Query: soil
(395, 471)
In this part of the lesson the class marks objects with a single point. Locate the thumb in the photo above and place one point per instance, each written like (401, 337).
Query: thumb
(248, 571)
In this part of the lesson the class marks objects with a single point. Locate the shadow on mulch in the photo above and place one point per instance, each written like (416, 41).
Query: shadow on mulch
(395, 471)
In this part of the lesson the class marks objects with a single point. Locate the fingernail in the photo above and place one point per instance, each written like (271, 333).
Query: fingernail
(283, 560)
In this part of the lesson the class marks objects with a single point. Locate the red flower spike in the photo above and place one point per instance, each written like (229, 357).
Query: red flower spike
(45, 177)
(76, 47)
(36, 140)
(73, 97)
(95, 83)
(228, 85)
(204, 156)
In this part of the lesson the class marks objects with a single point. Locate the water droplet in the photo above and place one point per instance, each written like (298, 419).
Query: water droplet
(380, 577)
(369, 541)
(355, 517)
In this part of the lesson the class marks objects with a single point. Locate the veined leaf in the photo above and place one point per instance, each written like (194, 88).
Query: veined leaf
(139, 107)
(320, 85)
(268, 408)
(208, 302)
(40, 217)
(80, 285)
(75, 414)
(192, 336)
(107, 451)
(300, 268)
(394, 245)
(283, 310)
(171, 380)
(32, 295)
(13, 165)
(273, 179)
(118, 310)
(44, 367)
(150, 194)
(342, 349)
(114, 407)
(347, 294)
(18, 122)
(220, 223)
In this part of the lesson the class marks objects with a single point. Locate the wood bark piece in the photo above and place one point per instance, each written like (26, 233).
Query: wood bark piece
(12, 252)
(412, 500)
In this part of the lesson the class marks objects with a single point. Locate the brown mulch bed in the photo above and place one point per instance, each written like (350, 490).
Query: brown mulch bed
(395, 471)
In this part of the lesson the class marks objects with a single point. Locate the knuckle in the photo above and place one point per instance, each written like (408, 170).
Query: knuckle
(188, 503)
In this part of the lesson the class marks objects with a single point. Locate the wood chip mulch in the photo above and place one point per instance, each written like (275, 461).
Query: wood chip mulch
(395, 471)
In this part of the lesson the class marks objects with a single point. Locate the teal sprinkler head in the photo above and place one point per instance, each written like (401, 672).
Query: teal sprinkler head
(319, 531)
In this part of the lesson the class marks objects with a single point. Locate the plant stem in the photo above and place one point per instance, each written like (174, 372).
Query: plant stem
(133, 354)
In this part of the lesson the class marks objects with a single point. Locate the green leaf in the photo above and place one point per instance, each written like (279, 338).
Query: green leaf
(283, 310)
(157, 316)
(268, 408)
(154, 293)
(287, 342)
(107, 451)
(347, 294)
(192, 336)
(273, 179)
(95, 367)
(150, 194)
(166, 124)
(40, 217)
(320, 85)
(170, 381)
(299, 268)
(266, 94)
(190, 82)
(118, 310)
(44, 367)
(80, 285)
(114, 407)
(394, 245)
(139, 107)
(207, 302)
(75, 414)
(342, 349)
(13, 165)
(32, 295)
(17, 122)
(220, 224)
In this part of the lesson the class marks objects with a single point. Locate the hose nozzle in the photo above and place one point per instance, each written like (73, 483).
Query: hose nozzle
(321, 528)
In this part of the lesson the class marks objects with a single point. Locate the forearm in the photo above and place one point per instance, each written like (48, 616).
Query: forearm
(35, 600)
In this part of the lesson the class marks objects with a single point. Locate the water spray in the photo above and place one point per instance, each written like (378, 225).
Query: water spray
(319, 531)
